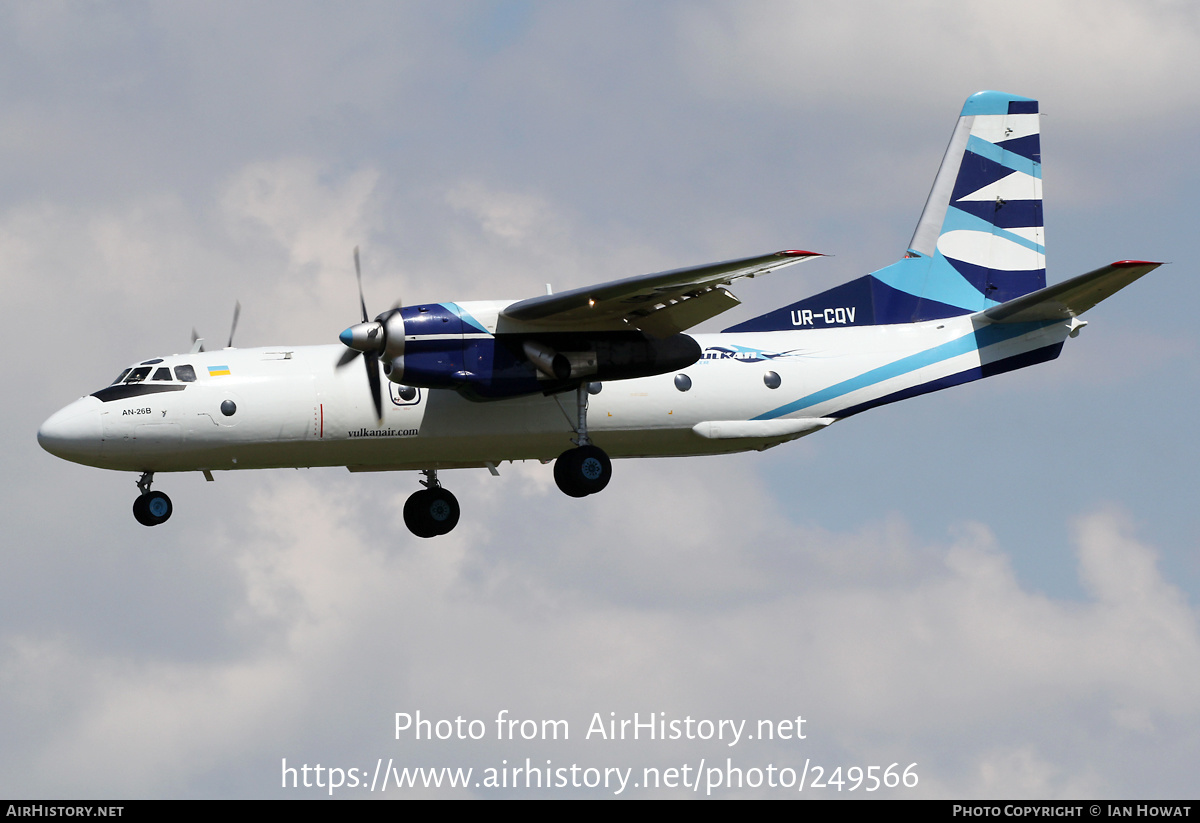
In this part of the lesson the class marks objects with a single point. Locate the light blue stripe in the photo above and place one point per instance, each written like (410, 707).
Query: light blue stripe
(1008, 159)
(991, 102)
(466, 317)
(931, 278)
(979, 339)
(904, 365)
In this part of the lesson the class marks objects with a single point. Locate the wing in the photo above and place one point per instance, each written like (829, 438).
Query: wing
(1070, 297)
(659, 304)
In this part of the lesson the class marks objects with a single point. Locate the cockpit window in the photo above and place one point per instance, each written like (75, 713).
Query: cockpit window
(185, 374)
(120, 377)
(162, 374)
(138, 374)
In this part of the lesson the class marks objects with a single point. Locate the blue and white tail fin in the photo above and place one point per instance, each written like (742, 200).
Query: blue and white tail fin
(979, 241)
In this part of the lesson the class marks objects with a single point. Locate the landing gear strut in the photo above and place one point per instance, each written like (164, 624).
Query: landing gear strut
(432, 510)
(585, 469)
(151, 508)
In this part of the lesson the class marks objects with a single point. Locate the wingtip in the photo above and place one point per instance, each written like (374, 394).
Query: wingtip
(798, 253)
(1125, 264)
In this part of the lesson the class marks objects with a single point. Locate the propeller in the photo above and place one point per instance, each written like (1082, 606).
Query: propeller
(383, 336)
(237, 310)
(198, 341)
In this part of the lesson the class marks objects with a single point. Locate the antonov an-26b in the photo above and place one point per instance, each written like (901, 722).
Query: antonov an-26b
(608, 371)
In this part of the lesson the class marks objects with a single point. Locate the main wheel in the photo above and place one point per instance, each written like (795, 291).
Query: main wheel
(431, 512)
(152, 508)
(582, 471)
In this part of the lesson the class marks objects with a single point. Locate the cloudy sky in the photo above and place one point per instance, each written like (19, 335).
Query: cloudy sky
(997, 583)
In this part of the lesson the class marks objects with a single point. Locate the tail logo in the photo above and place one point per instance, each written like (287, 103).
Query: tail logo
(979, 241)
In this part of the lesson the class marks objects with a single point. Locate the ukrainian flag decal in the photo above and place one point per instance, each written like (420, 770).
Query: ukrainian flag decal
(218, 371)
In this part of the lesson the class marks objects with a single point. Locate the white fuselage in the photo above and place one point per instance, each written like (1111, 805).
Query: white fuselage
(294, 408)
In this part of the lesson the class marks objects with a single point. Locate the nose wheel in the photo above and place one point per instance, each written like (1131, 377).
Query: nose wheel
(432, 511)
(151, 508)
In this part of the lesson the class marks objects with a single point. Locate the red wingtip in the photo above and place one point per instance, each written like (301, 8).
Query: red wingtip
(1121, 264)
(799, 253)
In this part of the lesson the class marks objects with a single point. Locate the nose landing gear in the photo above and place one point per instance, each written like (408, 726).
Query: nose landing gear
(151, 508)
(432, 511)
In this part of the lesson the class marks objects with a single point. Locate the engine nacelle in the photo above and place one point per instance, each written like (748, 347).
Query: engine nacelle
(393, 335)
(431, 346)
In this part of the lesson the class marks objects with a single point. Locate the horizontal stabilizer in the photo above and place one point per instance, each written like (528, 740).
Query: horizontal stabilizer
(1071, 297)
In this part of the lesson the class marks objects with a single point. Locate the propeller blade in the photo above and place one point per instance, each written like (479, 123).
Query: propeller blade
(358, 272)
(347, 356)
(365, 338)
(237, 310)
(373, 378)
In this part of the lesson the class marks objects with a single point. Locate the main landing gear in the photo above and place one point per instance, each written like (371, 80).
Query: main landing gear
(584, 469)
(433, 510)
(151, 508)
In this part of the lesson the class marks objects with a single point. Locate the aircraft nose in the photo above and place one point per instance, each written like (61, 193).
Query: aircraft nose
(73, 432)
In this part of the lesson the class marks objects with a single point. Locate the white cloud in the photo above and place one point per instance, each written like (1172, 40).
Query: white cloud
(314, 218)
(875, 53)
(553, 609)
(514, 218)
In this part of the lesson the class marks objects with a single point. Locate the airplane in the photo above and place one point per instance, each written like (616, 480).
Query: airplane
(608, 371)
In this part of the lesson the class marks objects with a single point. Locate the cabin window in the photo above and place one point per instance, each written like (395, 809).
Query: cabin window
(683, 382)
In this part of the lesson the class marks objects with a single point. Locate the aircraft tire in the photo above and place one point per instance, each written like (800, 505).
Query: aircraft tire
(152, 508)
(431, 512)
(582, 471)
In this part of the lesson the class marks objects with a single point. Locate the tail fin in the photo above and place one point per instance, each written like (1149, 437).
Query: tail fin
(979, 241)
